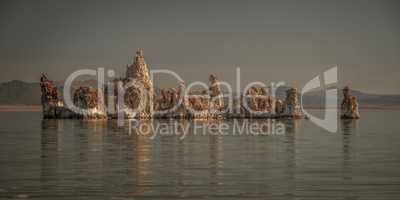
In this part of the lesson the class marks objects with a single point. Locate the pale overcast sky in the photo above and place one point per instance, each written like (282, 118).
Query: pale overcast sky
(291, 41)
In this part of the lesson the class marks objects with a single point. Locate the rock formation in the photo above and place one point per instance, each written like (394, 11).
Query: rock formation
(291, 106)
(197, 105)
(278, 107)
(86, 99)
(49, 97)
(138, 76)
(52, 104)
(168, 98)
(349, 105)
(216, 106)
(257, 102)
(138, 95)
(170, 103)
(167, 103)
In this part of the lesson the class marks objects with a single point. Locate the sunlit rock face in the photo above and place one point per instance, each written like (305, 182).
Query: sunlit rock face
(138, 75)
(291, 106)
(349, 105)
(90, 106)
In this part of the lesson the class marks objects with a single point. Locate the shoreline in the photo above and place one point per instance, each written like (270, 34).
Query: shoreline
(38, 108)
(20, 108)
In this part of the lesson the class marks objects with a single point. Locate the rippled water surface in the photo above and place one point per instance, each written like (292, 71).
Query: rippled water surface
(70, 159)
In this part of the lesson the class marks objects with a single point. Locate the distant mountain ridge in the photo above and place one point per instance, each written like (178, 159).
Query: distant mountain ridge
(18, 92)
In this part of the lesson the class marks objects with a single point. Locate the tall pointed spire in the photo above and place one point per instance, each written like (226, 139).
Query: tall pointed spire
(139, 71)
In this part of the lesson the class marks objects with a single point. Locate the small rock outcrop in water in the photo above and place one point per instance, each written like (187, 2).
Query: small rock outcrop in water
(52, 105)
(291, 106)
(349, 106)
(49, 98)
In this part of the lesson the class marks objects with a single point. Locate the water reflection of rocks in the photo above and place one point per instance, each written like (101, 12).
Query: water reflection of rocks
(106, 160)
(348, 127)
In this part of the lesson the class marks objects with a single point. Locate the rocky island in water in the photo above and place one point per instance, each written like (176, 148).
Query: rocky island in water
(171, 102)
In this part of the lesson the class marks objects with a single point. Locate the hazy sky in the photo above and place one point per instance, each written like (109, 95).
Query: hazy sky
(291, 41)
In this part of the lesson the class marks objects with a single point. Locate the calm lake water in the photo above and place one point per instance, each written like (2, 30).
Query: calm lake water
(70, 159)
